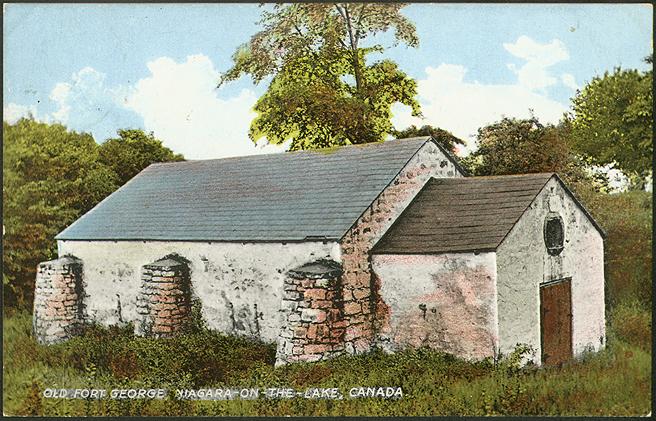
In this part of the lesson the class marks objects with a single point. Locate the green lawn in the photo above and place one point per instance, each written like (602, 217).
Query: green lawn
(616, 381)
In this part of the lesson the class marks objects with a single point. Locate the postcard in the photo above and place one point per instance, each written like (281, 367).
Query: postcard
(327, 209)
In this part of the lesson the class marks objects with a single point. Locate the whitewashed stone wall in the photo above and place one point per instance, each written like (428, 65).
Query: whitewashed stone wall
(446, 301)
(239, 284)
(523, 264)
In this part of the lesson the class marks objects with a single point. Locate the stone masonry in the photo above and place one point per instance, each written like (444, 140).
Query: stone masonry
(58, 300)
(315, 326)
(164, 301)
(361, 298)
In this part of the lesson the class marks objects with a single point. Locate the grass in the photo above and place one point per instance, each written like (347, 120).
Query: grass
(616, 381)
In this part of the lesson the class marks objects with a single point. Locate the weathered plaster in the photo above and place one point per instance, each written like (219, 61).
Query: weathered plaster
(523, 264)
(359, 302)
(239, 284)
(446, 302)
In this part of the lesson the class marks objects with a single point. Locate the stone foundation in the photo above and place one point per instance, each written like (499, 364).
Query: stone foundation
(164, 301)
(58, 300)
(312, 307)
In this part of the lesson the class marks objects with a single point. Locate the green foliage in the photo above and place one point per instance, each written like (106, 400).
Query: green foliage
(521, 146)
(613, 382)
(324, 92)
(631, 323)
(198, 358)
(612, 121)
(51, 176)
(292, 30)
(443, 137)
(315, 108)
(133, 151)
(627, 219)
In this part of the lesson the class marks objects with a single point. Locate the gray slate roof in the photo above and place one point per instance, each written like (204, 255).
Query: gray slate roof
(464, 214)
(288, 196)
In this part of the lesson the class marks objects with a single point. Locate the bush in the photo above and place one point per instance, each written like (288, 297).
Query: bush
(631, 323)
(627, 219)
(613, 382)
(204, 357)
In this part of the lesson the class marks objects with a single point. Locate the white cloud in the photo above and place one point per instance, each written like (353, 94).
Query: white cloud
(569, 81)
(452, 103)
(86, 95)
(59, 95)
(83, 103)
(12, 112)
(86, 103)
(179, 103)
(534, 74)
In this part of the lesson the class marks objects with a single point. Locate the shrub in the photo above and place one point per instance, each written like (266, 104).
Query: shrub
(631, 322)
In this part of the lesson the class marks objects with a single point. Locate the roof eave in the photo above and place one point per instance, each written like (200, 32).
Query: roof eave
(208, 240)
(435, 252)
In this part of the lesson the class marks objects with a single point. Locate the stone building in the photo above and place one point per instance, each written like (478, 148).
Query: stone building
(336, 251)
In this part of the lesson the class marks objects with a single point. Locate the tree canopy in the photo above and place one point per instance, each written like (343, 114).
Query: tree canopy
(324, 92)
(612, 121)
(520, 146)
(51, 176)
(132, 151)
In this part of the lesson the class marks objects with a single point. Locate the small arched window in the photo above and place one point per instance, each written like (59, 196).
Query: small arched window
(554, 234)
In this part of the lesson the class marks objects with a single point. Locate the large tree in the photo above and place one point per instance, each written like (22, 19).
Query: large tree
(50, 176)
(612, 121)
(324, 91)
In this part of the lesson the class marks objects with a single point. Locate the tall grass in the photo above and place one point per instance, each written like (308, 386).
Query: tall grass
(613, 382)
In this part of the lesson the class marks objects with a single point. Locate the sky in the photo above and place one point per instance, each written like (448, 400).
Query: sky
(102, 67)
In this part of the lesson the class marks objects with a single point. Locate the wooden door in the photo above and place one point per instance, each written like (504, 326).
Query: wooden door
(556, 321)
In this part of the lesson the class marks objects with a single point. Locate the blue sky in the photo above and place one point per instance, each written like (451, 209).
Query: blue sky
(98, 68)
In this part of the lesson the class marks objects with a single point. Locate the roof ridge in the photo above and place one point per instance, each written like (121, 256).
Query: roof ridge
(533, 174)
(326, 151)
